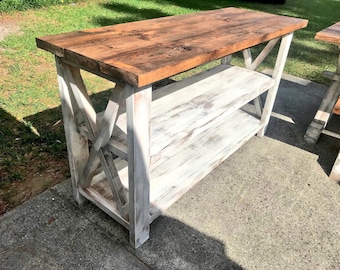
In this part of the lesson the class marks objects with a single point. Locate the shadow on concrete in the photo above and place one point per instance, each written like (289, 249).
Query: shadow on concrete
(295, 107)
(52, 228)
(175, 245)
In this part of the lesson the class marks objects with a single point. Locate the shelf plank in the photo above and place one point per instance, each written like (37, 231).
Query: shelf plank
(187, 108)
(181, 170)
(195, 159)
(195, 125)
(184, 109)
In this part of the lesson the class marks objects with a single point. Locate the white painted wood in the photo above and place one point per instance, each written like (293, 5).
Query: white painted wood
(226, 60)
(110, 116)
(100, 192)
(115, 184)
(103, 135)
(88, 114)
(82, 99)
(108, 206)
(118, 141)
(264, 53)
(189, 163)
(187, 108)
(252, 65)
(248, 59)
(186, 117)
(100, 137)
(77, 146)
(118, 148)
(196, 158)
(335, 173)
(100, 149)
(197, 101)
(183, 110)
(277, 74)
(138, 114)
(258, 106)
(324, 112)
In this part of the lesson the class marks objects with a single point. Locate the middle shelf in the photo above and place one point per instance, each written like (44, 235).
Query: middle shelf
(184, 109)
(195, 124)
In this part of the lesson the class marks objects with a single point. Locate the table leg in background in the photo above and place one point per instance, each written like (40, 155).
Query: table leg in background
(324, 112)
(77, 145)
(277, 74)
(335, 173)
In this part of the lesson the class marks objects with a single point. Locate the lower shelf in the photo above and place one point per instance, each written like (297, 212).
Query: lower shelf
(186, 166)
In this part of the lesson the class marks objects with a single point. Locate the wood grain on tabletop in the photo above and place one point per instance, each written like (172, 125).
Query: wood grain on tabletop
(147, 51)
(330, 34)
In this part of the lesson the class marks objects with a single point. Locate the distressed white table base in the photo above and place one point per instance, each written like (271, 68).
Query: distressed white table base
(149, 147)
(324, 114)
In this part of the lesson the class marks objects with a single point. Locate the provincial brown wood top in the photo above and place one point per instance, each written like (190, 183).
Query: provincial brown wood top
(144, 52)
(330, 34)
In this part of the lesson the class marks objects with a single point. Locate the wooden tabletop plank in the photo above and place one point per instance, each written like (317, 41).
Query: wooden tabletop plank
(147, 51)
(330, 34)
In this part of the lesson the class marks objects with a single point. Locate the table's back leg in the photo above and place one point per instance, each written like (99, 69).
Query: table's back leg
(277, 74)
(253, 64)
(77, 145)
(138, 112)
(100, 134)
(226, 60)
(248, 62)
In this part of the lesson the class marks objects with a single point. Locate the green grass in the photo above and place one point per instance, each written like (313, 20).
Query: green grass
(30, 128)
(10, 5)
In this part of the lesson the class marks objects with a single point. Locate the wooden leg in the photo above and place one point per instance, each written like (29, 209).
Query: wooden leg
(78, 111)
(277, 74)
(335, 173)
(77, 145)
(253, 64)
(248, 60)
(324, 112)
(226, 60)
(138, 111)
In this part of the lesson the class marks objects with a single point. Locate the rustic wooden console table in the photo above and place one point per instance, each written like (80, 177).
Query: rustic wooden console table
(331, 35)
(149, 147)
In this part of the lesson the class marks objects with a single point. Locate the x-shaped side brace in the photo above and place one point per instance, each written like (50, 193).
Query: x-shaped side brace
(99, 134)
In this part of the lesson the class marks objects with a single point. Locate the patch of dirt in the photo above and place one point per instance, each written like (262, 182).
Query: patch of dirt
(3, 71)
(30, 164)
(34, 182)
(8, 25)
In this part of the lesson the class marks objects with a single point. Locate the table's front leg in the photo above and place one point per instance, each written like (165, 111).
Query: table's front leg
(138, 111)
